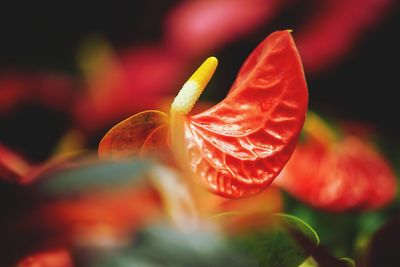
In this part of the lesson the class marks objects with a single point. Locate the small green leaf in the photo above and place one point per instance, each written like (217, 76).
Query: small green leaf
(300, 225)
(348, 261)
(274, 245)
(309, 262)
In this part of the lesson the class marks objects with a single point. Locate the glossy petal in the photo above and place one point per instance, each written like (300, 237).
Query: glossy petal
(237, 147)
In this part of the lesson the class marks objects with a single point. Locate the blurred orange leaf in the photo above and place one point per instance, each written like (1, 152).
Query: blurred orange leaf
(142, 134)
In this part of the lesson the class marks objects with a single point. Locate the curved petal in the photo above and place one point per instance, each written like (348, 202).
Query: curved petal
(238, 146)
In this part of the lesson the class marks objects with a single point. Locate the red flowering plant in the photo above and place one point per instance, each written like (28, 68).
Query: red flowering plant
(237, 147)
(190, 188)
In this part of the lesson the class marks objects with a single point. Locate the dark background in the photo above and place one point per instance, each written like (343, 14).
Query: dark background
(45, 35)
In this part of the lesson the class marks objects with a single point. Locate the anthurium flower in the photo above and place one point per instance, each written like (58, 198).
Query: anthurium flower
(196, 27)
(337, 173)
(334, 28)
(237, 147)
(119, 84)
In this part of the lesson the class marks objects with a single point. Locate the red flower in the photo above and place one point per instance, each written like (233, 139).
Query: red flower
(237, 147)
(337, 174)
(119, 85)
(334, 28)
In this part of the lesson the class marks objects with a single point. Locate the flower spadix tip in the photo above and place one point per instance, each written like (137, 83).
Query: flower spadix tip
(193, 87)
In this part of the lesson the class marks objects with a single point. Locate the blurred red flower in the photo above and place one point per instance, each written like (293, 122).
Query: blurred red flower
(195, 28)
(337, 173)
(334, 28)
(330, 31)
(51, 258)
(118, 85)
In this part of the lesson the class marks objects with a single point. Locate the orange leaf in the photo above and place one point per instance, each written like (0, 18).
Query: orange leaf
(142, 134)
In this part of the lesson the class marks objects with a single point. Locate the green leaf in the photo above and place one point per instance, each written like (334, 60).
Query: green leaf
(166, 247)
(348, 261)
(309, 262)
(99, 175)
(274, 246)
(299, 225)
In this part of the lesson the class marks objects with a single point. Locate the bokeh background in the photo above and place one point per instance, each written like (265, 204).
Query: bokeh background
(70, 70)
